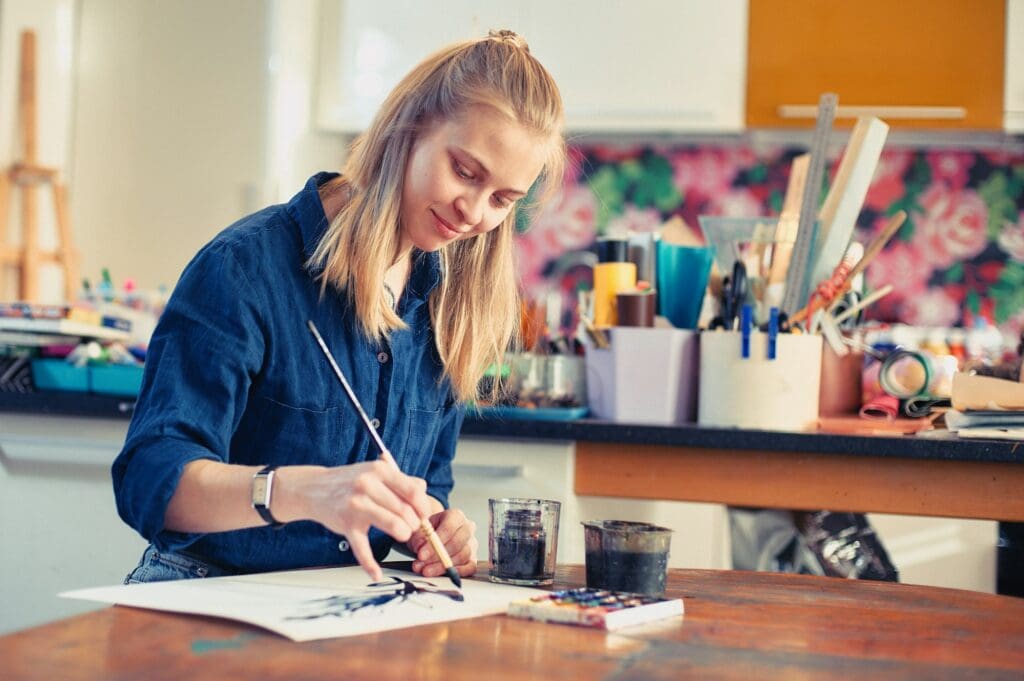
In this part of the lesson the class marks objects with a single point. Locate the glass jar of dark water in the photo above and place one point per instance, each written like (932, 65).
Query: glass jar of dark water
(522, 540)
(626, 556)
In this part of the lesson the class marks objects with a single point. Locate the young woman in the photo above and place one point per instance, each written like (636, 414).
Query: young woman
(404, 262)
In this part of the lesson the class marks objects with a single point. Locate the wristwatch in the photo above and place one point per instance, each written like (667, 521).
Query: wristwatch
(262, 488)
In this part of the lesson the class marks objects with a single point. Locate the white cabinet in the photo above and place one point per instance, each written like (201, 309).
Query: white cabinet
(1013, 120)
(492, 468)
(644, 65)
(59, 528)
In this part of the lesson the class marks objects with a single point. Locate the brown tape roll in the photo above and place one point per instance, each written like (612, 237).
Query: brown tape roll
(635, 308)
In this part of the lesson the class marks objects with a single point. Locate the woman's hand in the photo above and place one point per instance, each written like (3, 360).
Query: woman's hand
(349, 499)
(457, 533)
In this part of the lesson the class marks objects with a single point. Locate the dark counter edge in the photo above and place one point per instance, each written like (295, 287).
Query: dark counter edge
(941, 446)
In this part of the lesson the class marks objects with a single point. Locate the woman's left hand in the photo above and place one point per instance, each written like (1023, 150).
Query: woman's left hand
(457, 533)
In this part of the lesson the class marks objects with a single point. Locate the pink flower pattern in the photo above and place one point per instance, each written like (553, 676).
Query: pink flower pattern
(887, 184)
(1011, 240)
(950, 167)
(950, 264)
(953, 226)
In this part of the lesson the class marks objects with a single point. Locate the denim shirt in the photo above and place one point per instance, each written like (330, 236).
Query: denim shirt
(233, 374)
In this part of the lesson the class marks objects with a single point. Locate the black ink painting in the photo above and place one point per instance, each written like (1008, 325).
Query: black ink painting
(378, 595)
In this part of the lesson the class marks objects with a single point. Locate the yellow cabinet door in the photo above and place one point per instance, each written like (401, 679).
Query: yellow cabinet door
(914, 63)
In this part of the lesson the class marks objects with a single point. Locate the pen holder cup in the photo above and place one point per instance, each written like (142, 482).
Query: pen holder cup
(626, 556)
(757, 392)
(682, 274)
(840, 393)
(648, 376)
(523, 540)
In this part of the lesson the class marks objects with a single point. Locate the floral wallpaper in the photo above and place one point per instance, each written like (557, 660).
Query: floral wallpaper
(959, 257)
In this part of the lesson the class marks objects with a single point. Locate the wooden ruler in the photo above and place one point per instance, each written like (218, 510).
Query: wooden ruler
(797, 275)
(838, 216)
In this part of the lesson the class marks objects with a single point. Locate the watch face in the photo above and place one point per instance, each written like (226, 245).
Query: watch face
(259, 490)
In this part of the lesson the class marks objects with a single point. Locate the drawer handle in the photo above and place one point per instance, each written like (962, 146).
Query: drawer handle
(486, 471)
(950, 113)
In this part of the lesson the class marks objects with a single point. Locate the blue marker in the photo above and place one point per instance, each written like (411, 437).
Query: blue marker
(746, 324)
(773, 331)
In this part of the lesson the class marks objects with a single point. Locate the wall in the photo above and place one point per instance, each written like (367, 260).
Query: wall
(170, 124)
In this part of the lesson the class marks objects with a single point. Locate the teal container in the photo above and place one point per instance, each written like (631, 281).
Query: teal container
(56, 374)
(116, 379)
(682, 279)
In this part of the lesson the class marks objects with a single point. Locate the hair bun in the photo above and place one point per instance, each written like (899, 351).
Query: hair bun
(505, 35)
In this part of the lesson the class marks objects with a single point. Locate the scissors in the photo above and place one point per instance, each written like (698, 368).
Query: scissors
(734, 292)
(849, 299)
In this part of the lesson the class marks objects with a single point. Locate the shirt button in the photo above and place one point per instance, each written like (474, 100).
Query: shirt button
(375, 423)
(382, 357)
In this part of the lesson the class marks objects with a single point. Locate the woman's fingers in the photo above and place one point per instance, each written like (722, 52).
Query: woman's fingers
(453, 529)
(457, 533)
(410, 489)
(395, 516)
(364, 554)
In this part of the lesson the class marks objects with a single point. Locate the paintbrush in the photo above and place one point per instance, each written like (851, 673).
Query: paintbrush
(385, 454)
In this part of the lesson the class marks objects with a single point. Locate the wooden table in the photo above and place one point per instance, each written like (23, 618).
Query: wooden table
(738, 625)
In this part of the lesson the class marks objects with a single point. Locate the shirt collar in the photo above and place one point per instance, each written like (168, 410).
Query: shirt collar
(307, 210)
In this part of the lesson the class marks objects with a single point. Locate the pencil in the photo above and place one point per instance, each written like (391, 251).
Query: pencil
(385, 454)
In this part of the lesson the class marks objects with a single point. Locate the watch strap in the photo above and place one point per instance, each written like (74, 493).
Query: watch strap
(261, 505)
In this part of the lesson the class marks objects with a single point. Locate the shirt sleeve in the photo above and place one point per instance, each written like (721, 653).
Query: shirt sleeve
(202, 357)
(439, 473)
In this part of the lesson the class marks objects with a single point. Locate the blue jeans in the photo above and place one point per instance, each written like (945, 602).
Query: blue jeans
(162, 567)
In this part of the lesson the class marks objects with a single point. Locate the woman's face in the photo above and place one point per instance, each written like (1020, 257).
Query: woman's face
(465, 174)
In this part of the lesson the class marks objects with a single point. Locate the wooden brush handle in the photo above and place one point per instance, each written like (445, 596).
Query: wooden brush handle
(435, 543)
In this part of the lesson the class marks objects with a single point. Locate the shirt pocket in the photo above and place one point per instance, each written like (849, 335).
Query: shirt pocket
(420, 439)
(296, 435)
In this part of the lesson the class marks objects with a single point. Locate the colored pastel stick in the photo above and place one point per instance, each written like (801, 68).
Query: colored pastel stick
(746, 325)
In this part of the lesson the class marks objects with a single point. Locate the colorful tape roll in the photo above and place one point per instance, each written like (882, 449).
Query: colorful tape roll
(905, 373)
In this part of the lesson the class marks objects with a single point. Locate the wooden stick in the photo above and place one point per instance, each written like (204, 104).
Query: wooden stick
(874, 296)
(5, 206)
(67, 254)
(877, 244)
(789, 219)
(30, 246)
(27, 95)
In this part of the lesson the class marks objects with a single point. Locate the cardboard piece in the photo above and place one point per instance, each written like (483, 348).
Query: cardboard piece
(972, 392)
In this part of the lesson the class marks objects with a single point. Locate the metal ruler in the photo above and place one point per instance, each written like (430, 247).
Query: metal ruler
(797, 286)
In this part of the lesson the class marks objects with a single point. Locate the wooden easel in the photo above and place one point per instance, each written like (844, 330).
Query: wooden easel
(27, 176)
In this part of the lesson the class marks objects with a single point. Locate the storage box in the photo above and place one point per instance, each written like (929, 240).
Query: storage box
(758, 392)
(56, 374)
(648, 376)
(116, 379)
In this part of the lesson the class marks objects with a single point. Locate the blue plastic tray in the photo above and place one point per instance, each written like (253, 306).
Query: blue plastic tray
(116, 379)
(539, 414)
(56, 374)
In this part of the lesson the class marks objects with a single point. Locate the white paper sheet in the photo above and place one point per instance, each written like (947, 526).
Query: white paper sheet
(305, 605)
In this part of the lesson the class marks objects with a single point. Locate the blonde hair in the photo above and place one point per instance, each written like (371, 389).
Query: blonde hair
(473, 324)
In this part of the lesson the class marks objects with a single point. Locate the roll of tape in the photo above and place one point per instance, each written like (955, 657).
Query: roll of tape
(905, 373)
